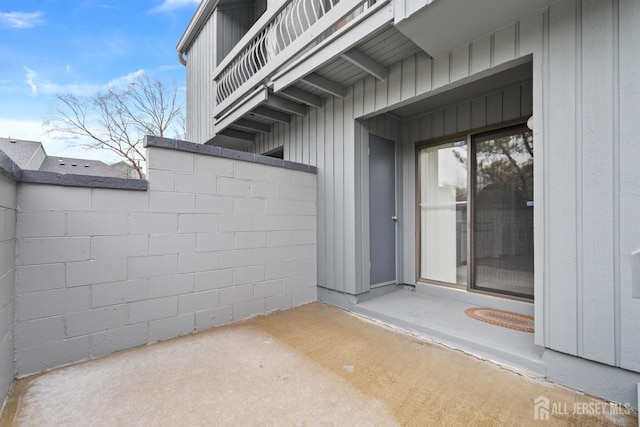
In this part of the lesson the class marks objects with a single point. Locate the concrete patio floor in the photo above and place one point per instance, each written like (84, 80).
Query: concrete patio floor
(312, 365)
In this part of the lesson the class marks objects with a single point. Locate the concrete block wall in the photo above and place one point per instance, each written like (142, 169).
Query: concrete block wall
(7, 280)
(215, 239)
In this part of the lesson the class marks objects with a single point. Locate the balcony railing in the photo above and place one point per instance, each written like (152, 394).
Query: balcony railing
(290, 21)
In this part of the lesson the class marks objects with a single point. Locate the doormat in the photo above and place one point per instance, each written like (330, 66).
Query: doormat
(506, 319)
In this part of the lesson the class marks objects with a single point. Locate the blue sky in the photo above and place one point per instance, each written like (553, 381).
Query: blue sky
(80, 47)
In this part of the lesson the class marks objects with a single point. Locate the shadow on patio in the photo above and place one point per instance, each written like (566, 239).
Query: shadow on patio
(311, 365)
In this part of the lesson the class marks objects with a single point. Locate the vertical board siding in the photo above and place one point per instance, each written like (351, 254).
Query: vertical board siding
(349, 187)
(463, 117)
(494, 109)
(526, 100)
(531, 32)
(298, 140)
(437, 124)
(582, 174)
(329, 202)
(481, 54)
(440, 71)
(304, 136)
(408, 88)
(504, 45)
(419, 74)
(339, 181)
(381, 99)
(506, 105)
(587, 178)
(322, 200)
(394, 86)
(200, 85)
(233, 23)
(460, 63)
(596, 148)
(424, 65)
(511, 103)
(361, 168)
(226, 27)
(313, 141)
(369, 95)
(415, 130)
(561, 168)
(626, 154)
(450, 120)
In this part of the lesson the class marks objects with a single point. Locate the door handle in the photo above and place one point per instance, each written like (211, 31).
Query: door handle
(394, 218)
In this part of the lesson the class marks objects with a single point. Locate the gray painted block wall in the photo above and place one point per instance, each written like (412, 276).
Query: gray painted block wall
(214, 240)
(7, 280)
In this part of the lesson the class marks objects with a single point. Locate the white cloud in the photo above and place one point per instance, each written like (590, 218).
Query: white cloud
(54, 144)
(124, 80)
(168, 5)
(20, 19)
(31, 76)
(45, 87)
(108, 6)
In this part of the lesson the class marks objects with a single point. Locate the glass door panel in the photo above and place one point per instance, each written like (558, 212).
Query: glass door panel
(502, 203)
(443, 212)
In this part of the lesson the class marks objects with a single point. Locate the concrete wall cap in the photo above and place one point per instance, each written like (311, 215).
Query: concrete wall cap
(71, 180)
(151, 141)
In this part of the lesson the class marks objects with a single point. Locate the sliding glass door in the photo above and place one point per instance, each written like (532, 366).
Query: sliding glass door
(480, 239)
(503, 212)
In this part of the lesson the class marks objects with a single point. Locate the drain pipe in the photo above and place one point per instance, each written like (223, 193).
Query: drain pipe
(182, 59)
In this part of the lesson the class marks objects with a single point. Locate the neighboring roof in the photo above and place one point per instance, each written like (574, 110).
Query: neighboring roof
(67, 165)
(20, 151)
(30, 155)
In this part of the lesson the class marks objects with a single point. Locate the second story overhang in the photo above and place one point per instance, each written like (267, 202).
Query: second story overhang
(298, 52)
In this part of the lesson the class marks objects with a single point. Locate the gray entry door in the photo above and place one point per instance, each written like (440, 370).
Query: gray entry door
(382, 210)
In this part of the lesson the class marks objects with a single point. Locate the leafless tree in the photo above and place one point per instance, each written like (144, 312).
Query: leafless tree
(118, 119)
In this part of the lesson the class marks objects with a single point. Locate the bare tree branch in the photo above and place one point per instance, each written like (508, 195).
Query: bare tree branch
(118, 119)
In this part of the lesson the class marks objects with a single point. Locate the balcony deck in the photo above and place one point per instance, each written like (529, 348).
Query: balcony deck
(352, 41)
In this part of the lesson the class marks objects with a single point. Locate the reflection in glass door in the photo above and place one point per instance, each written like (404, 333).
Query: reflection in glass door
(502, 200)
(443, 212)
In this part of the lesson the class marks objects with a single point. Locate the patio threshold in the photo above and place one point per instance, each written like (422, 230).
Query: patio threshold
(443, 320)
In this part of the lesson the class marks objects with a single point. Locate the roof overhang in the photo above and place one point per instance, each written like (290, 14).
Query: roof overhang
(199, 19)
(441, 26)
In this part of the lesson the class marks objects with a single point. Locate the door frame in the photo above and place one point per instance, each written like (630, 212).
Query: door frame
(468, 137)
(361, 174)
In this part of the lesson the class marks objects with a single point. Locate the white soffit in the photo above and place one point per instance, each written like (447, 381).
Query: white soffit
(444, 25)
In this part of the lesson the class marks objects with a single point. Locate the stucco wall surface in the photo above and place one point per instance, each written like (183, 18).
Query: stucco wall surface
(214, 240)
